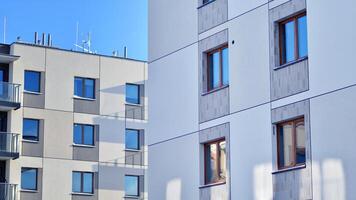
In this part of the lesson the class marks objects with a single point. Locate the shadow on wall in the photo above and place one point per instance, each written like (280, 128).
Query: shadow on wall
(174, 189)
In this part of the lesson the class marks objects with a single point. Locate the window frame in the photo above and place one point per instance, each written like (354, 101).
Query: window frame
(82, 181)
(138, 185)
(138, 93)
(208, 66)
(138, 140)
(217, 142)
(30, 168)
(38, 129)
(83, 88)
(282, 49)
(83, 134)
(294, 123)
(39, 81)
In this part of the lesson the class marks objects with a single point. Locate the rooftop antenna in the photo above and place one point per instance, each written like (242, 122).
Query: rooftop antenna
(86, 45)
(76, 37)
(4, 29)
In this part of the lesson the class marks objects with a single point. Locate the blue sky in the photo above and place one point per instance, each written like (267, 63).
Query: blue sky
(113, 23)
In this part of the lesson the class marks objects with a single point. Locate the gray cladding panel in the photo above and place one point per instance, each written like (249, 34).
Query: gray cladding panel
(212, 14)
(205, 136)
(89, 197)
(294, 184)
(134, 157)
(293, 78)
(215, 104)
(134, 111)
(88, 153)
(36, 100)
(34, 149)
(89, 106)
(34, 195)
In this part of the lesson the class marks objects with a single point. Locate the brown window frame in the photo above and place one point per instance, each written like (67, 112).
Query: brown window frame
(208, 54)
(295, 18)
(294, 124)
(221, 180)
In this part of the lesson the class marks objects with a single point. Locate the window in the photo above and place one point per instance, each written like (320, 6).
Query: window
(29, 179)
(84, 87)
(32, 81)
(218, 68)
(132, 93)
(82, 182)
(83, 134)
(291, 143)
(131, 185)
(132, 139)
(215, 162)
(30, 129)
(293, 38)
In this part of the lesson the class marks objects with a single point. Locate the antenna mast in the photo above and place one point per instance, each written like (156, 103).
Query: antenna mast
(4, 29)
(76, 37)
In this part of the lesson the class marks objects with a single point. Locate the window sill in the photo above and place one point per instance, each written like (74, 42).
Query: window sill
(291, 63)
(214, 90)
(30, 141)
(83, 98)
(131, 197)
(133, 150)
(289, 169)
(83, 145)
(206, 4)
(133, 104)
(34, 93)
(82, 194)
(212, 184)
(29, 191)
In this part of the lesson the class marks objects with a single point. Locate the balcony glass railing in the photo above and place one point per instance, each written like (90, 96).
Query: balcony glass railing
(8, 191)
(9, 92)
(9, 143)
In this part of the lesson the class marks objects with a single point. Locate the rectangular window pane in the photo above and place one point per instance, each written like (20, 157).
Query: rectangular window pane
(78, 87)
(30, 129)
(222, 152)
(29, 179)
(77, 136)
(132, 139)
(302, 37)
(133, 93)
(87, 182)
(214, 65)
(76, 182)
(289, 45)
(225, 67)
(32, 81)
(300, 149)
(131, 186)
(286, 150)
(88, 135)
(211, 163)
(89, 87)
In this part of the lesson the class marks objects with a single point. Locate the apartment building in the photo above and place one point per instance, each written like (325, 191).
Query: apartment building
(72, 125)
(252, 100)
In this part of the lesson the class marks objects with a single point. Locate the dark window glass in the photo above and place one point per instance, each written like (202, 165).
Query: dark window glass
(32, 81)
(83, 134)
(131, 185)
(291, 143)
(132, 139)
(294, 42)
(133, 93)
(82, 182)
(218, 68)
(215, 162)
(30, 129)
(29, 179)
(84, 87)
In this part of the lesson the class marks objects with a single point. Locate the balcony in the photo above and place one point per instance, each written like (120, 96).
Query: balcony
(9, 96)
(9, 146)
(8, 191)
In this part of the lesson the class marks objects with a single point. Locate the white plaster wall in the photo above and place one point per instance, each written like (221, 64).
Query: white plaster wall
(333, 145)
(173, 95)
(249, 60)
(174, 169)
(172, 25)
(251, 154)
(238, 7)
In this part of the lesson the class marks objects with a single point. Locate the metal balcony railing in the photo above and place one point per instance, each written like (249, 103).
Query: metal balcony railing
(8, 191)
(9, 145)
(9, 92)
